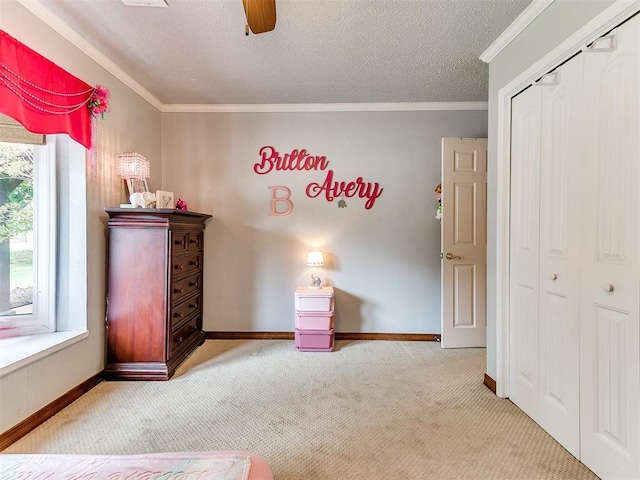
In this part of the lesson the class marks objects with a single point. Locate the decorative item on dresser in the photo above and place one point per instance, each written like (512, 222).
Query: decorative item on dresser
(154, 309)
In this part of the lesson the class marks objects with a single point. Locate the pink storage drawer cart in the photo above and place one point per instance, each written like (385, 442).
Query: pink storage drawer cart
(314, 330)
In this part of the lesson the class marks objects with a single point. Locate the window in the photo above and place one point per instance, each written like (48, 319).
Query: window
(60, 268)
(53, 253)
(27, 238)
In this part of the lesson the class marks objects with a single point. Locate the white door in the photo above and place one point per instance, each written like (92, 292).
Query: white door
(464, 239)
(524, 254)
(562, 215)
(610, 287)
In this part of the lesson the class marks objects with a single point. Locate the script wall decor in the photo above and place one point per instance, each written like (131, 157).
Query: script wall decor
(330, 188)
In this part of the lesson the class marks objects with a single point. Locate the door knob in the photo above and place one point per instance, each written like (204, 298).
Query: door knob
(553, 276)
(451, 256)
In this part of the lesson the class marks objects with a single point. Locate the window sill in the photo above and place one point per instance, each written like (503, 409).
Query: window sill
(18, 352)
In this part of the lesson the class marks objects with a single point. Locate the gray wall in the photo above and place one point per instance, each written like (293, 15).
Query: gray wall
(561, 19)
(384, 262)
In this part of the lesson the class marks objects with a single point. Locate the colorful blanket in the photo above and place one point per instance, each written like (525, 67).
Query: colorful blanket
(159, 466)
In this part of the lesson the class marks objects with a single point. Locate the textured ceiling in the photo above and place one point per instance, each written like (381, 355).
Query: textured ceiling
(321, 51)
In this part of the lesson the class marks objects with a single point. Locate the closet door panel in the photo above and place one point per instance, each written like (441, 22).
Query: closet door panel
(524, 245)
(610, 285)
(560, 225)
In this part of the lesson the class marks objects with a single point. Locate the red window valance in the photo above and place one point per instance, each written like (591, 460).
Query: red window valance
(43, 97)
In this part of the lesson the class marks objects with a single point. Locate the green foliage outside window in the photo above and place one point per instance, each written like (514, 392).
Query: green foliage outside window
(16, 190)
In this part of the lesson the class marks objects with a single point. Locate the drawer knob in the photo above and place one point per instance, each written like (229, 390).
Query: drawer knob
(193, 305)
(553, 276)
(179, 290)
(608, 287)
(193, 262)
(193, 241)
(179, 242)
(193, 284)
(178, 315)
(180, 339)
(180, 267)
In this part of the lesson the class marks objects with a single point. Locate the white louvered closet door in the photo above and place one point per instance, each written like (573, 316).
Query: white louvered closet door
(524, 246)
(610, 281)
(561, 217)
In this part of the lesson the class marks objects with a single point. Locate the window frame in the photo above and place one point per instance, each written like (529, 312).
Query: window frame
(45, 235)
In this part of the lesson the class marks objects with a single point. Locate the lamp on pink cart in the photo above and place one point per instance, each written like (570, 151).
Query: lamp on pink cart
(315, 259)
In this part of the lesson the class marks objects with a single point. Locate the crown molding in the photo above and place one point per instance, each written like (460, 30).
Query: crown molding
(62, 28)
(527, 16)
(324, 107)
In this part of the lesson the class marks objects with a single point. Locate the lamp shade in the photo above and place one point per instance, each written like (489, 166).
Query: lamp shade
(133, 165)
(315, 259)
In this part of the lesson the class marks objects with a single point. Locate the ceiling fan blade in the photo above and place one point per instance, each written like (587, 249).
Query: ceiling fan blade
(261, 15)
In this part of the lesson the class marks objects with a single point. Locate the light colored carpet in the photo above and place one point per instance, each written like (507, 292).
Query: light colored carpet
(370, 410)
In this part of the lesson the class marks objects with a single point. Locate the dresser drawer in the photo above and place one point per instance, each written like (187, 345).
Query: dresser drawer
(186, 264)
(314, 300)
(181, 336)
(195, 241)
(183, 311)
(314, 321)
(314, 340)
(181, 289)
(180, 242)
(185, 241)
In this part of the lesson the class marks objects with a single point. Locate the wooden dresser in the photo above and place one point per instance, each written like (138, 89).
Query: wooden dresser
(154, 310)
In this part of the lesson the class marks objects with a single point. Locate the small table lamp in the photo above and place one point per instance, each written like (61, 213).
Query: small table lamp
(315, 259)
(132, 166)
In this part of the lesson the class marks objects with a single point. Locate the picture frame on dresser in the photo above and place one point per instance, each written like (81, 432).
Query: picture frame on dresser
(135, 185)
(164, 199)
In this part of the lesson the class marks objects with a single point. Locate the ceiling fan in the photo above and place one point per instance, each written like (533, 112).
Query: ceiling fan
(261, 15)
